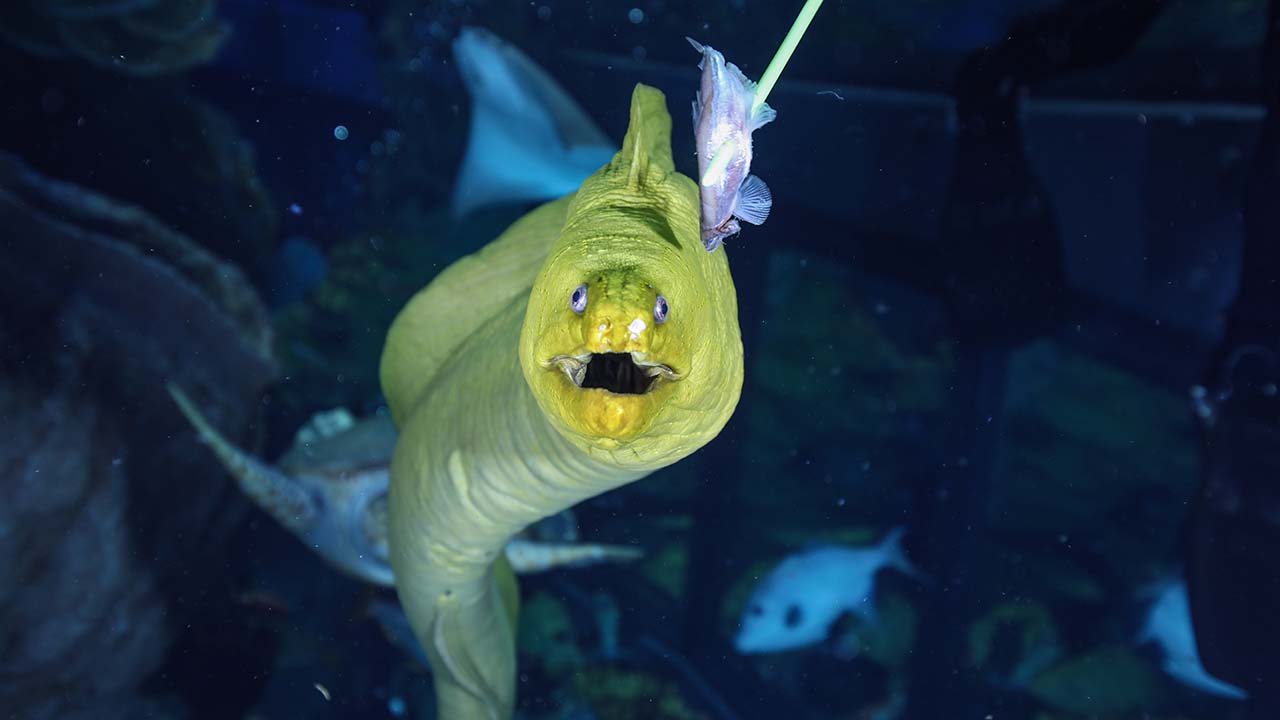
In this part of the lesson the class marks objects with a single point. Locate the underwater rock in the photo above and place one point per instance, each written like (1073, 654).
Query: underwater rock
(112, 523)
(80, 610)
(1110, 681)
(65, 243)
(132, 37)
(848, 397)
(623, 694)
(151, 142)
(1117, 470)
(1015, 641)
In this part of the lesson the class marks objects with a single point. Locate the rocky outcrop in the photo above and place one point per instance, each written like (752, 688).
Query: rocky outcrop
(134, 37)
(113, 516)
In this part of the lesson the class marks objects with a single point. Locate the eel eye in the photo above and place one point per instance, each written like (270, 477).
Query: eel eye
(660, 310)
(578, 300)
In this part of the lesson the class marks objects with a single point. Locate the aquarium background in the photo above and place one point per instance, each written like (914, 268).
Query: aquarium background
(1014, 250)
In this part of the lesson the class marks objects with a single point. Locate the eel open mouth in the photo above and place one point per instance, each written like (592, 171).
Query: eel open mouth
(619, 373)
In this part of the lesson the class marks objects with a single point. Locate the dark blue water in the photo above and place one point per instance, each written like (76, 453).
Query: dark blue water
(1013, 309)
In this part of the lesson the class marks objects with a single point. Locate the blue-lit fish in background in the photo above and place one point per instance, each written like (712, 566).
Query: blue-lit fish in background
(529, 140)
(799, 600)
(1168, 625)
(723, 120)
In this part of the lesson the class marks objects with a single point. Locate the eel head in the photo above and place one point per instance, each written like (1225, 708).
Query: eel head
(630, 342)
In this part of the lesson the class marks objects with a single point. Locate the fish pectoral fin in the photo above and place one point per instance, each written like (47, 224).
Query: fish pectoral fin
(754, 201)
(761, 117)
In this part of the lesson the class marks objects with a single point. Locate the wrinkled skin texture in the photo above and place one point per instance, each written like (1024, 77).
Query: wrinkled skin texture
(496, 434)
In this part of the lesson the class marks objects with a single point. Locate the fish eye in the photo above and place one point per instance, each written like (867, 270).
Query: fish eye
(661, 309)
(756, 610)
(793, 616)
(578, 299)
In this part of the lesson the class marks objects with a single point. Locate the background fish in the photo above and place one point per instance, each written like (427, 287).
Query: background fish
(799, 601)
(1168, 624)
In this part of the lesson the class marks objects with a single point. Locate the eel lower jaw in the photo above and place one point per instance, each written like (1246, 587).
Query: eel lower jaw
(630, 373)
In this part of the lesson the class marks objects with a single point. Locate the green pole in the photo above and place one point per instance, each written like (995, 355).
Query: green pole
(719, 162)
(779, 61)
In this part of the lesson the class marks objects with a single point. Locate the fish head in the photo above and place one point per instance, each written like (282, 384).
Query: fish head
(631, 342)
(785, 612)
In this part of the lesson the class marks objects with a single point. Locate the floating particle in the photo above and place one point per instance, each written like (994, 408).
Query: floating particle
(295, 209)
(340, 132)
(832, 93)
(396, 706)
(323, 691)
(544, 13)
(636, 16)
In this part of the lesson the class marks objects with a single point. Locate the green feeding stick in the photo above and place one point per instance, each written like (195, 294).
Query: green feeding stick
(780, 58)
(728, 109)
(724, 154)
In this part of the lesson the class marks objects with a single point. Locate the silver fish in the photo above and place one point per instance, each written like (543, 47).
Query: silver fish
(722, 127)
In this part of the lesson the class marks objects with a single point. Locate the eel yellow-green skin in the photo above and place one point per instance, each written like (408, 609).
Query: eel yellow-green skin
(496, 434)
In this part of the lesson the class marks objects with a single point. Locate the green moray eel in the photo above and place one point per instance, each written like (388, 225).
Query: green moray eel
(592, 343)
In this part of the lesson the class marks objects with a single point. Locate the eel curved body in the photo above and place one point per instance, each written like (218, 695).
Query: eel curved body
(592, 343)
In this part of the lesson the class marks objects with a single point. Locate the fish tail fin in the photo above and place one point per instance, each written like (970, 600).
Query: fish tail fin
(528, 556)
(529, 140)
(272, 490)
(895, 556)
(1200, 678)
(754, 201)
